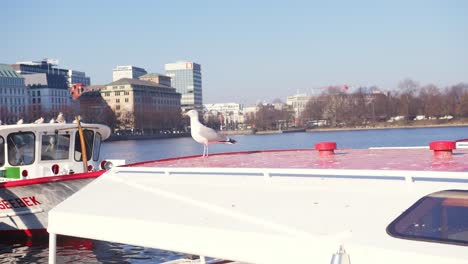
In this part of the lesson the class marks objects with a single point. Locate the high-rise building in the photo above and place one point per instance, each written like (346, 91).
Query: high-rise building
(13, 95)
(128, 71)
(187, 79)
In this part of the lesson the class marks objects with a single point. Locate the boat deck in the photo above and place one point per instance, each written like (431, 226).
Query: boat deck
(418, 159)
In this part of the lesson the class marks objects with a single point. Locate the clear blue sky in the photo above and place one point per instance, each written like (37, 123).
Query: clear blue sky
(249, 50)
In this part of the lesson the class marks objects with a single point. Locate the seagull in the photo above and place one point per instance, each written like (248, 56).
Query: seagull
(79, 119)
(39, 121)
(60, 118)
(52, 121)
(205, 135)
(21, 121)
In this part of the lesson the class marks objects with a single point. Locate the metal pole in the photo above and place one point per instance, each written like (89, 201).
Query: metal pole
(52, 248)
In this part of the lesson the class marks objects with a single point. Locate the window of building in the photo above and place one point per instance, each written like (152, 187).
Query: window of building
(117, 100)
(117, 93)
(440, 217)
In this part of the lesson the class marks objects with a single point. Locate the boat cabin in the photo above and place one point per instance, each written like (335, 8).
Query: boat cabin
(30, 151)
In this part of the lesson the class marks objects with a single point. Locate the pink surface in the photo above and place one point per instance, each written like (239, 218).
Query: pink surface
(381, 159)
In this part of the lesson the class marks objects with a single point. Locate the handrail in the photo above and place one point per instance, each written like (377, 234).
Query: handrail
(403, 175)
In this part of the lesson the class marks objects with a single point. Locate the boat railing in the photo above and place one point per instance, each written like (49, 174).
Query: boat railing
(406, 176)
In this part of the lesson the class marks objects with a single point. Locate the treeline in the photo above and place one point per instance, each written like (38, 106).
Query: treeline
(410, 100)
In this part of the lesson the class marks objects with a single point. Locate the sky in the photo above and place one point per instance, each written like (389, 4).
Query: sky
(250, 51)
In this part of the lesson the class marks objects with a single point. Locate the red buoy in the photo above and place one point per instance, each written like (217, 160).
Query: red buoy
(326, 148)
(443, 147)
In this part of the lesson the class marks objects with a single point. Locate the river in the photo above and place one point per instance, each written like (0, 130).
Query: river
(72, 250)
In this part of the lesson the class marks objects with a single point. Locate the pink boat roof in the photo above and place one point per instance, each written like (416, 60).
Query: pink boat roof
(420, 159)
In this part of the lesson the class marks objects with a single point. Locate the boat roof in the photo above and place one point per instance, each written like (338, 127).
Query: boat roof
(102, 129)
(268, 207)
(421, 159)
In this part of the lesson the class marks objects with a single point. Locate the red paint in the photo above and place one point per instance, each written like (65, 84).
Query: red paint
(19, 202)
(49, 179)
(360, 159)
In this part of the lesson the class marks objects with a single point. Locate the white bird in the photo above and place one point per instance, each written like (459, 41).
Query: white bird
(21, 121)
(52, 121)
(75, 122)
(205, 135)
(39, 121)
(60, 118)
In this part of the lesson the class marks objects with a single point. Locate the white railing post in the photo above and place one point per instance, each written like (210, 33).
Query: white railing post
(52, 248)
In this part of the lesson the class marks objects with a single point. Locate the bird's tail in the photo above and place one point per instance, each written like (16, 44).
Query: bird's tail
(230, 141)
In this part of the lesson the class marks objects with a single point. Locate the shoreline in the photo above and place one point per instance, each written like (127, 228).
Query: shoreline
(271, 132)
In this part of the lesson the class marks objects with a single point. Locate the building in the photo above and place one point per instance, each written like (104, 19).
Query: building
(13, 95)
(156, 78)
(49, 93)
(143, 105)
(128, 71)
(76, 77)
(298, 104)
(187, 79)
(228, 113)
(47, 66)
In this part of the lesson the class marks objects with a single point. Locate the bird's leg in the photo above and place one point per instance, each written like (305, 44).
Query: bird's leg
(206, 150)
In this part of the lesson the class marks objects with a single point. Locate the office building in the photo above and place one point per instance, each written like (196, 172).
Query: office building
(187, 79)
(13, 95)
(49, 94)
(128, 71)
(143, 105)
(48, 66)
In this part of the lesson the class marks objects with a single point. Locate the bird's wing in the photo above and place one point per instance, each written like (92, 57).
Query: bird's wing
(210, 134)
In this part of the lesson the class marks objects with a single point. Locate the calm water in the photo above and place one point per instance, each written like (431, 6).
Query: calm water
(72, 250)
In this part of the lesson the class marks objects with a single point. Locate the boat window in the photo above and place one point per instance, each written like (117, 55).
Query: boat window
(2, 151)
(440, 217)
(88, 138)
(97, 147)
(21, 148)
(55, 147)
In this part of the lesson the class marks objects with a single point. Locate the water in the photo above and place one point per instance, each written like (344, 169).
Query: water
(73, 250)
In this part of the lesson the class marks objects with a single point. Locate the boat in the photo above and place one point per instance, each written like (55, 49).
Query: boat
(40, 166)
(317, 205)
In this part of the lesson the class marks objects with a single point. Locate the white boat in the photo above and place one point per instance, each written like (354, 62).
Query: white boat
(322, 205)
(40, 166)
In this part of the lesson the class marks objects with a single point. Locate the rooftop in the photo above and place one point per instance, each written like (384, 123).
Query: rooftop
(126, 81)
(7, 71)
